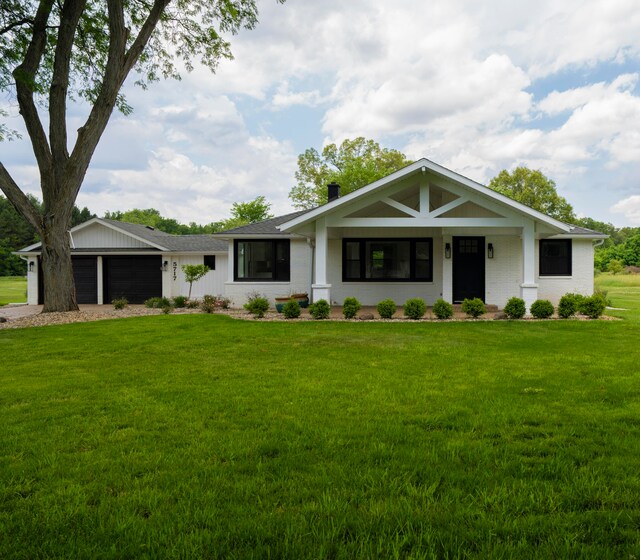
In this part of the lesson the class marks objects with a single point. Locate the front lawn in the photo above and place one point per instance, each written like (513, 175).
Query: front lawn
(201, 436)
(13, 289)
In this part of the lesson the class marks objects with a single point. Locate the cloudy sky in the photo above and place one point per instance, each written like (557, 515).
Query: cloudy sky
(474, 86)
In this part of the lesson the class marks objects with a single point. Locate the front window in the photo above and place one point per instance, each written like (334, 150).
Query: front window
(555, 257)
(387, 260)
(262, 261)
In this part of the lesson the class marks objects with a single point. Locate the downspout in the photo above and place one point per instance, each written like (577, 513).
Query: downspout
(598, 243)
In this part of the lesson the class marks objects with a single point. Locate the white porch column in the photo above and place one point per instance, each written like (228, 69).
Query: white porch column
(447, 269)
(528, 288)
(100, 286)
(320, 288)
(32, 281)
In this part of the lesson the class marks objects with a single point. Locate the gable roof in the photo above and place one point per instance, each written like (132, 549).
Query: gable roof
(422, 165)
(266, 227)
(155, 238)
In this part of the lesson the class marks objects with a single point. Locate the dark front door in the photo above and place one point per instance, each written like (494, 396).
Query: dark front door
(468, 268)
(136, 278)
(85, 278)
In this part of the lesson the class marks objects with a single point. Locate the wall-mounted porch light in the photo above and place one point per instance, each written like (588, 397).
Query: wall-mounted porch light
(447, 250)
(31, 265)
(490, 250)
(165, 266)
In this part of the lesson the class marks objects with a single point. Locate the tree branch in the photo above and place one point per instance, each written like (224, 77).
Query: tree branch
(25, 75)
(19, 200)
(119, 64)
(16, 23)
(70, 16)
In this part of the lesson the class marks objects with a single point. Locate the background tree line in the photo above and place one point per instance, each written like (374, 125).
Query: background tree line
(353, 164)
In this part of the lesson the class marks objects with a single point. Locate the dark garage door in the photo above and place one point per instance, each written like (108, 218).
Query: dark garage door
(85, 276)
(136, 278)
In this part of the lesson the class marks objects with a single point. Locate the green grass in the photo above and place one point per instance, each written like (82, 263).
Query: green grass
(203, 437)
(13, 289)
(624, 292)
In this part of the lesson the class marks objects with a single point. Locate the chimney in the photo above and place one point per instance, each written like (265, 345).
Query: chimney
(333, 191)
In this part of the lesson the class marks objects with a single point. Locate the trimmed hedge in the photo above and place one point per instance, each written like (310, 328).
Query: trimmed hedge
(474, 307)
(415, 308)
(386, 308)
(515, 308)
(350, 307)
(442, 309)
(542, 309)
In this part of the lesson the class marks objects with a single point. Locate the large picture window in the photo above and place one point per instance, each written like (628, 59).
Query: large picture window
(262, 260)
(387, 260)
(555, 257)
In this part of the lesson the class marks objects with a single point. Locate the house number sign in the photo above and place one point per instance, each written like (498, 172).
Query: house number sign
(175, 267)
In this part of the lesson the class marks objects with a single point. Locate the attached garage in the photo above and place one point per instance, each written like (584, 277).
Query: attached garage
(85, 276)
(136, 278)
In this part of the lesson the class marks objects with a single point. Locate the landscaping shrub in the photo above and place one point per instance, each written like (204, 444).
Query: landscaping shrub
(415, 308)
(157, 302)
(604, 295)
(257, 305)
(291, 309)
(515, 308)
(569, 305)
(180, 301)
(223, 302)
(120, 303)
(542, 309)
(593, 306)
(386, 308)
(320, 309)
(166, 309)
(442, 309)
(350, 307)
(208, 304)
(193, 303)
(474, 307)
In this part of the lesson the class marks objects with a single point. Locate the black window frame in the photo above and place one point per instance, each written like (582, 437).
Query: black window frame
(211, 261)
(547, 267)
(281, 271)
(362, 243)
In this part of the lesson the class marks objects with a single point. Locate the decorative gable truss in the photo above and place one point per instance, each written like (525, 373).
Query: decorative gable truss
(432, 203)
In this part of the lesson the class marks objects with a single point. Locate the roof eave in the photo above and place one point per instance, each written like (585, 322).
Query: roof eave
(424, 164)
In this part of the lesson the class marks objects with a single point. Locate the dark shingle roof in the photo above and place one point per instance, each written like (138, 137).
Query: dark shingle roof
(578, 230)
(266, 227)
(195, 243)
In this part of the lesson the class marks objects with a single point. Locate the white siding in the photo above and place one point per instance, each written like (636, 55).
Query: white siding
(98, 236)
(213, 282)
(300, 278)
(581, 279)
(504, 271)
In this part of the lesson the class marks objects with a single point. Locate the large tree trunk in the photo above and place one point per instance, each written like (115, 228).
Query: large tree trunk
(59, 287)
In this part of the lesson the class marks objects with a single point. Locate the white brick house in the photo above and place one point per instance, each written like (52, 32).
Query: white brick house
(423, 231)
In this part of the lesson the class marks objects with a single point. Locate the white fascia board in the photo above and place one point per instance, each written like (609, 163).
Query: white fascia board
(577, 236)
(260, 236)
(438, 170)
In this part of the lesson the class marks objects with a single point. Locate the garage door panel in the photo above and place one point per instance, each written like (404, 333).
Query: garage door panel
(85, 276)
(136, 278)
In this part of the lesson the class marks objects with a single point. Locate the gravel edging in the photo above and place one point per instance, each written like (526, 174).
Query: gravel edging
(45, 319)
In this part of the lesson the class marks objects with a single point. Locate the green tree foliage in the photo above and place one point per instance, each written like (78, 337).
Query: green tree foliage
(193, 273)
(354, 164)
(534, 189)
(16, 233)
(54, 52)
(243, 213)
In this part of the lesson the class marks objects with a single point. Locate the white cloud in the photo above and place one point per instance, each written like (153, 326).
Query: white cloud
(629, 208)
